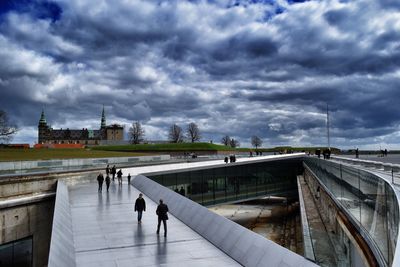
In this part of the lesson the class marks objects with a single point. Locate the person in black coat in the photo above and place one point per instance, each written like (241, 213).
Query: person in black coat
(113, 172)
(108, 170)
(140, 206)
(100, 180)
(119, 176)
(108, 181)
(161, 211)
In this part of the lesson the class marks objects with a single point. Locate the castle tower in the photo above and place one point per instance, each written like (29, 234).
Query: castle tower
(103, 119)
(42, 128)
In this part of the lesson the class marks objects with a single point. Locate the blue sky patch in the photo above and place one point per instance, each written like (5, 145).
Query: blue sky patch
(38, 9)
(296, 1)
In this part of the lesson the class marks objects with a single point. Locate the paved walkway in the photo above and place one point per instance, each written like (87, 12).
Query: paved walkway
(106, 233)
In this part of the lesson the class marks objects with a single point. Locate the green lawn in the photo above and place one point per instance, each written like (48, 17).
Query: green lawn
(126, 151)
(42, 154)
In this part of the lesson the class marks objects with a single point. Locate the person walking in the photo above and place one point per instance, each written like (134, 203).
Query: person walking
(161, 212)
(108, 181)
(129, 178)
(119, 176)
(108, 170)
(140, 206)
(113, 172)
(100, 180)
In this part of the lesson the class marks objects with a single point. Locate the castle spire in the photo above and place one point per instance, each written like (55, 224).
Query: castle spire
(103, 119)
(42, 120)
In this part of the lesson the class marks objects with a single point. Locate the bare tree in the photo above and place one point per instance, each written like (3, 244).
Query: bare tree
(234, 143)
(256, 141)
(7, 130)
(226, 140)
(193, 132)
(175, 134)
(136, 133)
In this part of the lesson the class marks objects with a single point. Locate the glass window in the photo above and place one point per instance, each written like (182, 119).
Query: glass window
(17, 253)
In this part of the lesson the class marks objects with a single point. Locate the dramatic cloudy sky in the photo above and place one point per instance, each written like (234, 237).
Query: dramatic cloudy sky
(240, 68)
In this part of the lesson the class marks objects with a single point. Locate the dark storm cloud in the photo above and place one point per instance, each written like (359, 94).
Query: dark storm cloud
(244, 45)
(234, 67)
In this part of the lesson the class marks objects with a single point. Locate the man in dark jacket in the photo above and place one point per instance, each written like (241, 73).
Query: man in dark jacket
(100, 180)
(140, 206)
(161, 211)
(113, 172)
(119, 176)
(226, 160)
(108, 181)
(108, 169)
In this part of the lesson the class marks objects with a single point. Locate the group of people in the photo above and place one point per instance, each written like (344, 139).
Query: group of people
(326, 153)
(258, 153)
(140, 203)
(384, 152)
(232, 158)
(161, 211)
(112, 171)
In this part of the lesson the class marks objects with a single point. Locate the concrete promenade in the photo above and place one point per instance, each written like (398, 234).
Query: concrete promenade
(106, 232)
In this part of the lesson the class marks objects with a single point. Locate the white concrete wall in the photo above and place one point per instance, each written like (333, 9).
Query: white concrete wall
(62, 249)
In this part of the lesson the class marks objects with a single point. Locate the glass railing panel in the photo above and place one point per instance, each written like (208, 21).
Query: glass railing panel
(392, 221)
(374, 210)
(367, 198)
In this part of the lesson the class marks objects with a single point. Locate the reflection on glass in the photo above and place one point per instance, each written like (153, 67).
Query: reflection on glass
(234, 182)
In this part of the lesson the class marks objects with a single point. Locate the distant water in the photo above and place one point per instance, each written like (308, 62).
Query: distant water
(391, 158)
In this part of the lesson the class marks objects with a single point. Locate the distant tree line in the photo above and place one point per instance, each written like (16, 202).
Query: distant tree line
(175, 133)
(228, 141)
(192, 133)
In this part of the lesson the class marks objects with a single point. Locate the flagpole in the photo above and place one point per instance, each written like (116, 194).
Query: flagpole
(327, 126)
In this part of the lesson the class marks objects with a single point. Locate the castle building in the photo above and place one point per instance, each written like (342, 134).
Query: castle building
(48, 135)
